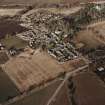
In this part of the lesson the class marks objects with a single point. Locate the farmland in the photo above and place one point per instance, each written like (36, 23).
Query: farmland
(9, 12)
(39, 45)
(7, 89)
(13, 41)
(88, 38)
(89, 89)
(5, 27)
(40, 96)
(33, 70)
(40, 2)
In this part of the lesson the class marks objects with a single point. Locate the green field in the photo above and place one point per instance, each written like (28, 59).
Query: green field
(13, 41)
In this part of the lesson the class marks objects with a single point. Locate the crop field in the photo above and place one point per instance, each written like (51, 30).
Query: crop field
(10, 27)
(100, 32)
(93, 37)
(39, 97)
(86, 91)
(3, 57)
(33, 71)
(13, 41)
(25, 2)
(7, 87)
(31, 2)
(62, 97)
(9, 12)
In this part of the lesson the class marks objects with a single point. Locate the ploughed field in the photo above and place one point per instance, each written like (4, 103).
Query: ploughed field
(11, 27)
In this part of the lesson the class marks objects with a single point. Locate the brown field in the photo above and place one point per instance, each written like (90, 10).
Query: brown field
(93, 36)
(99, 29)
(64, 10)
(88, 38)
(7, 87)
(26, 71)
(62, 97)
(3, 57)
(31, 2)
(39, 97)
(10, 27)
(90, 90)
(13, 41)
(9, 12)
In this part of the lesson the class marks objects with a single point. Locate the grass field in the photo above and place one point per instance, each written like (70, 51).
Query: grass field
(13, 41)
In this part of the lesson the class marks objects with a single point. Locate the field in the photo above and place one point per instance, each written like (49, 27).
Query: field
(62, 97)
(26, 2)
(13, 41)
(3, 57)
(7, 88)
(39, 97)
(10, 27)
(90, 90)
(92, 37)
(8, 30)
(99, 29)
(26, 71)
(64, 10)
(9, 12)
(88, 38)
(31, 2)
